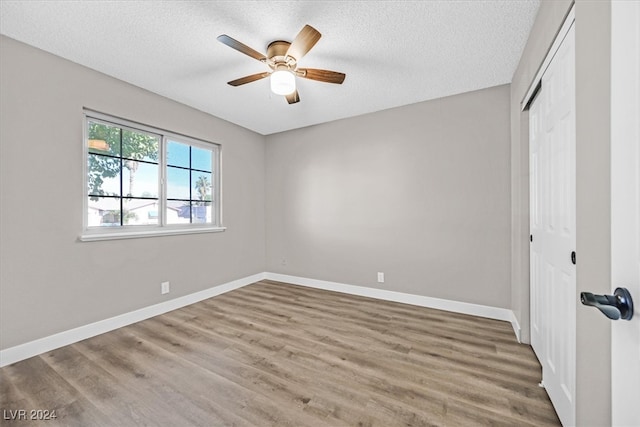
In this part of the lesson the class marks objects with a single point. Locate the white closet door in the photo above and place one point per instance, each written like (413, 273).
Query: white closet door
(553, 273)
(537, 316)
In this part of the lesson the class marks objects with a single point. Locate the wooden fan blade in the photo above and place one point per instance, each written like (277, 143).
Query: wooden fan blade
(304, 41)
(241, 47)
(292, 98)
(248, 79)
(321, 75)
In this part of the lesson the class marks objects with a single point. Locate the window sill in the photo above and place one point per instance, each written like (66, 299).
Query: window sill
(97, 236)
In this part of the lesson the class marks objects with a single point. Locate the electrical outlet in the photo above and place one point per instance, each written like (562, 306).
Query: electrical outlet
(380, 277)
(164, 287)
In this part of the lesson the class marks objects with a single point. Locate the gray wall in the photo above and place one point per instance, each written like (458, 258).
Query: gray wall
(593, 208)
(50, 281)
(419, 192)
(593, 227)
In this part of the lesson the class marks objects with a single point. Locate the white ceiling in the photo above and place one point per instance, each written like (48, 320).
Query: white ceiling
(393, 52)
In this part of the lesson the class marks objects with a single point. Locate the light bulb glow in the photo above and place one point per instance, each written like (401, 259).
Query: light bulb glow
(283, 82)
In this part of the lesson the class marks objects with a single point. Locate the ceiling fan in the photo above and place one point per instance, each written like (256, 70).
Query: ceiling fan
(282, 58)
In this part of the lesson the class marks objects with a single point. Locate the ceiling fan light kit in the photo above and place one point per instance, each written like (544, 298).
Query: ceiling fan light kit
(283, 82)
(282, 58)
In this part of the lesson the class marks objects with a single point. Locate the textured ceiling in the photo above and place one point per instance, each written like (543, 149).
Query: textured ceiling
(393, 52)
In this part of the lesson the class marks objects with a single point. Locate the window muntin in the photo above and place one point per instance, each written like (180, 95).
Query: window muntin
(141, 178)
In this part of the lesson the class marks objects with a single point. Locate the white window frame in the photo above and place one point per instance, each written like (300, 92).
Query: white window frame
(89, 234)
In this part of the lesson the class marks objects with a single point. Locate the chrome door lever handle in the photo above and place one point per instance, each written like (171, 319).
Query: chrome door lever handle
(616, 306)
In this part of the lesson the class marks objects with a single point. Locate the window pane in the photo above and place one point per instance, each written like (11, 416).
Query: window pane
(103, 176)
(200, 159)
(103, 212)
(139, 146)
(139, 179)
(140, 211)
(178, 212)
(200, 212)
(201, 182)
(103, 139)
(177, 154)
(177, 183)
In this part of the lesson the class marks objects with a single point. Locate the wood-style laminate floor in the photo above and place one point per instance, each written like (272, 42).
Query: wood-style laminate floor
(272, 354)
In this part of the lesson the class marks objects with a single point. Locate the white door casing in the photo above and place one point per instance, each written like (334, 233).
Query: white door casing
(625, 207)
(552, 221)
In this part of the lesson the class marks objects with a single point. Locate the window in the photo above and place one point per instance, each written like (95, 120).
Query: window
(142, 181)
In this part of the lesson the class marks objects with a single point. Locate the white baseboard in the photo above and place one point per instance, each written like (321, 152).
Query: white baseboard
(419, 300)
(42, 345)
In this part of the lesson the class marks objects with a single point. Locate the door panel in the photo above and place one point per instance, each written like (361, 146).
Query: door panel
(553, 275)
(536, 290)
(558, 372)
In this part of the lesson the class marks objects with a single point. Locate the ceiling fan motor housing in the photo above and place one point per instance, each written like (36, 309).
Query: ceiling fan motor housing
(277, 55)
